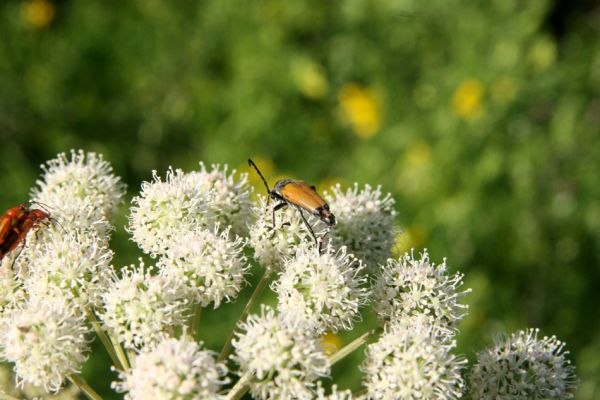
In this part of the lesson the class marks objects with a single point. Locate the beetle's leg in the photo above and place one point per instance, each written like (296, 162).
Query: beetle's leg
(12, 265)
(277, 208)
(317, 243)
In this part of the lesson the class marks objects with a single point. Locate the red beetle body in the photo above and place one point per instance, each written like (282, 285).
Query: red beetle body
(15, 224)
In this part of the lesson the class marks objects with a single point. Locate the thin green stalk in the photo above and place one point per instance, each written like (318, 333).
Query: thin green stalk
(131, 356)
(85, 388)
(195, 322)
(240, 388)
(104, 339)
(253, 299)
(350, 347)
(120, 352)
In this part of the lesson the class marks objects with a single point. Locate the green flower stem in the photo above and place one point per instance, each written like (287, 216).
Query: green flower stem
(131, 356)
(85, 388)
(195, 322)
(104, 339)
(255, 296)
(350, 347)
(240, 388)
(120, 352)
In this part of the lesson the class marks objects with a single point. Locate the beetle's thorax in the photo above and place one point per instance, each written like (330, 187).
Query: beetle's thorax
(281, 183)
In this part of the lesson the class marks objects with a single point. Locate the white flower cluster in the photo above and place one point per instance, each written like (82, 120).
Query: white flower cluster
(71, 264)
(186, 203)
(198, 225)
(523, 367)
(174, 369)
(228, 199)
(165, 211)
(283, 357)
(46, 340)
(412, 360)
(410, 287)
(273, 244)
(58, 270)
(334, 395)
(324, 290)
(83, 190)
(209, 265)
(139, 307)
(365, 223)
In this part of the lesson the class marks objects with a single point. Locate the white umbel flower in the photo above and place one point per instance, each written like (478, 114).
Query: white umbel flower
(138, 307)
(210, 266)
(411, 360)
(46, 340)
(82, 191)
(523, 367)
(365, 222)
(228, 199)
(8, 286)
(273, 244)
(410, 287)
(325, 290)
(165, 211)
(175, 369)
(334, 395)
(284, 358)
(71, 264)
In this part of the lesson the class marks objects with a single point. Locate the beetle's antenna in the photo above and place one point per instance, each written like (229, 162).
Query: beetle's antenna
(39, 203)
(251, 163)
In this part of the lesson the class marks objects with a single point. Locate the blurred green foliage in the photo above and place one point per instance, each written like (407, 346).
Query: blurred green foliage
(481, 117)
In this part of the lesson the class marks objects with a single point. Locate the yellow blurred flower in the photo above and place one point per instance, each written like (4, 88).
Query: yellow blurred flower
(38, 13)
(413, 237)
(360, 106)
(504, 89)
(467, 101)
(542, 54)
(331, 343)
(309, 78)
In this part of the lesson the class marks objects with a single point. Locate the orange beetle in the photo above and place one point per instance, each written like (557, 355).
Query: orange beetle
(15, 224)
(300, 195)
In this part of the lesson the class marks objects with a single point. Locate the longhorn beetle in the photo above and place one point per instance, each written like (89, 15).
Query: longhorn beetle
(301, 196)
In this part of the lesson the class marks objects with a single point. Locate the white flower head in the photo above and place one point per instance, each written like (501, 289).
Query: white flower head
(210, 266)
(174, 369)
(9, 285)
(284, 358)
(326, 290)
(365, 222)
(166, 211)
(524, 367)
(410, 286)
(81, 191)
(139, 307)
(412, 360)
(228, 199)
(334, 395)
(273, 244)
(72, 264)
(46, 340)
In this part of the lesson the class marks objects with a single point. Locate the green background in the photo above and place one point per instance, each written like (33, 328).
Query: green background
(481, 117)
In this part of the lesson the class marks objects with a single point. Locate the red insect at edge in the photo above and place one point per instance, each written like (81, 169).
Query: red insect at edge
(16, 223)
